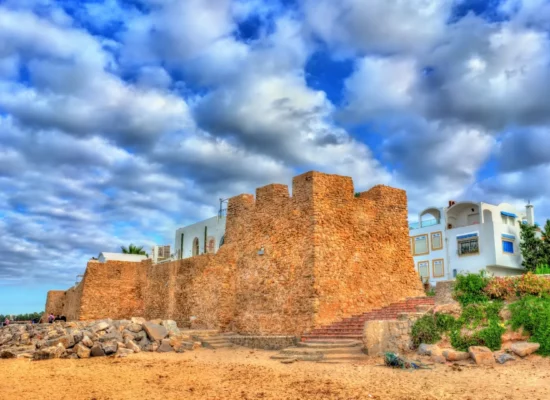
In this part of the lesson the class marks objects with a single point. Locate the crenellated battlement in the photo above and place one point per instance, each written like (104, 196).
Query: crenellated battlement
(289, 263)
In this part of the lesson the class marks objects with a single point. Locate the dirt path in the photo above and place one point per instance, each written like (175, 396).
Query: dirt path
(247, 374)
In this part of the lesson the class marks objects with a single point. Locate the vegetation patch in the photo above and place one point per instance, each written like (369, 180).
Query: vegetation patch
(469, 288)
(533, 314)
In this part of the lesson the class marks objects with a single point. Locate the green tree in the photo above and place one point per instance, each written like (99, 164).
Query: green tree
(531, 247)
(545, 244)
(131, 249)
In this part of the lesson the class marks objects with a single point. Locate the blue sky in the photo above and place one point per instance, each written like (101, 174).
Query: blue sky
(121, 120)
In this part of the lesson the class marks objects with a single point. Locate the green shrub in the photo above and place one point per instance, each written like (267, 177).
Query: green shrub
(491, 336)
(542, 269)
(469, 288)
(430, 292)
(533, 313)
(461, 341)
(444, 322)
(425, 330)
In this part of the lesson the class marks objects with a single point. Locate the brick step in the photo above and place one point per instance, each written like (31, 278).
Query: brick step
(352, 327)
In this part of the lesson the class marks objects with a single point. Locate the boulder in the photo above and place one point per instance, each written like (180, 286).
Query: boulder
(77, 336)
(137, 320)
(165, 346)
(67, 341)
(82, 351)
(454, 355)
(133, 327)
(170, 326)
(155, 331)
(8, 354)
(116, 336)
(97, 351)
(110, 347)
(429, 350)
(100, 326)
(523, 349)
(49, 352)
(86, 341)
(482, 355)
(130, 344)
(504, 357)
(140, 336)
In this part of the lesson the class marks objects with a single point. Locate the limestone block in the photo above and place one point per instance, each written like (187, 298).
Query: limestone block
(155, 331)
(165, 346)
(82, 351)
(134, 327)
(97, 351)
(523, 349)
(454, 355)
(138, 320)
(482, 355)
(86, 341)
(130, 344)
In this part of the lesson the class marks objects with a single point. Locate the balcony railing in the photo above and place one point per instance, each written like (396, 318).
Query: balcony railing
(424, 224)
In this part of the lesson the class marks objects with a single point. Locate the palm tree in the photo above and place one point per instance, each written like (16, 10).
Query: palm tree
(133, 250)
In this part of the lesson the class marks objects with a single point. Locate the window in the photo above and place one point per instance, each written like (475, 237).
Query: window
(196, 246)
(421, 245)
(507, 246)
(508, 218)
(468, 246)
(437, 241)
(424, 270)
(438, 269)
(181, 245)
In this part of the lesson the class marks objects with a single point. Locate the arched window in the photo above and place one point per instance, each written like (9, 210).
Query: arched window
(211, 248)
(196, 246)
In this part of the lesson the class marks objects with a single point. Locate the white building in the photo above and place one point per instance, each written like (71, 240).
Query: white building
(202, 237)
(160, 253)
(104, 257)
(468, 237)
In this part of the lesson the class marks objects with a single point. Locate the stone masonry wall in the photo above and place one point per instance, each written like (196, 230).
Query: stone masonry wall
(54, 303)
(362, 255)
(289, 264)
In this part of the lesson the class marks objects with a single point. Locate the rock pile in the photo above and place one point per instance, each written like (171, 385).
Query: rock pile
(92, 339)
(479, 354)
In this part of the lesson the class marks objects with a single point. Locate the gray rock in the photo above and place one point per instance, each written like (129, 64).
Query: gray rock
(170, 326)
(8, 354)
(134, 327)
(82, 351)
(429, 350)
(140, 336)
(77, 336)
(67, 341)
(100, 326)
(505, 357)
(49, 352)
(97, 351)
(165, 346)
(110, 347)
(116, 336)
(86, 341)
(155, 331)
(130, 344)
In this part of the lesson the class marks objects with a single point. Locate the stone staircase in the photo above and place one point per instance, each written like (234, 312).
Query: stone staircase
(323, 351)
(352, 328)
(214, 339)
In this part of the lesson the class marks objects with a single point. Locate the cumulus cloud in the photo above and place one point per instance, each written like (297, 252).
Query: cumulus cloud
(380, 26)
(120, 121)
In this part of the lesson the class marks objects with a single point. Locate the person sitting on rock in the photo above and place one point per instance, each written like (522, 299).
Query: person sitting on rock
(51, 318)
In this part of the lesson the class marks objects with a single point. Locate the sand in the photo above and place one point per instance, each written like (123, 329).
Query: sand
(248, 374)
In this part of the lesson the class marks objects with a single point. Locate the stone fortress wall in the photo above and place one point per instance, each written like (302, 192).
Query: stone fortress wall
(289, 264)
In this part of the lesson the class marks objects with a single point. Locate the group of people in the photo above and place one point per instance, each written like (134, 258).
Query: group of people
(52, 318)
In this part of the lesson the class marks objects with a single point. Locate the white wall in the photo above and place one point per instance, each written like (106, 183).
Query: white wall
(215, 228)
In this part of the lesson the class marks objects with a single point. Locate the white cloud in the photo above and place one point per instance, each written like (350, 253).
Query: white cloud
(382, 26)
